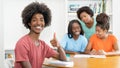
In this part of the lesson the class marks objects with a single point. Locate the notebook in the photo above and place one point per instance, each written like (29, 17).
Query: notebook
(113, 53)
(59, 63)
(89, 56)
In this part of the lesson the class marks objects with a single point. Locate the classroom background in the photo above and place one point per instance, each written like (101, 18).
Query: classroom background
(11, 27)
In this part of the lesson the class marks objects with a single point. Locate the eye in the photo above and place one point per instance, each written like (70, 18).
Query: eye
(42, 20)
(33, 20)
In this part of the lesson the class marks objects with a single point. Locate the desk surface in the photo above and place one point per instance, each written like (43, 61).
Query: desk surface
(108, 62)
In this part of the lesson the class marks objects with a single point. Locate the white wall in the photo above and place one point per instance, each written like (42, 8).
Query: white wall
(11, 28)
(116, 19)
(14, 29)
(1, 37)
(58, 24)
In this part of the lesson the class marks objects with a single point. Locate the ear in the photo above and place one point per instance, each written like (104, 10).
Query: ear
(29, 24)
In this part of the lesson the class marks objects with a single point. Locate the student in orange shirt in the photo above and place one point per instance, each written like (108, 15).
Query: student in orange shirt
(102, 42)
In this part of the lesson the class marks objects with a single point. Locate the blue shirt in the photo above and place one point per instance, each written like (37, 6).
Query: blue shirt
(88, 31)
(70, 44)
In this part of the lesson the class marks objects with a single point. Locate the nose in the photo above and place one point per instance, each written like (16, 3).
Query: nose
(38, 22)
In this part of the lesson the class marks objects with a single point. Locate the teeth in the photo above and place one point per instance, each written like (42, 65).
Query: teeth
(39, 27)
(77, 33)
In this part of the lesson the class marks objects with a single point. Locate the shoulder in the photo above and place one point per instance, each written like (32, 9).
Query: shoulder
(23, 39)
(23, 43)
(111, 36)
(66, 36)
(93, 37)
(83, 37)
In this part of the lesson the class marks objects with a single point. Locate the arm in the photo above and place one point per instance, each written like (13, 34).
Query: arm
(84, 45)
(88, 48)
(91, 51)
(25, 64)
(115, 46)
(70, 52)
(116, 50)
(21, 55)
(61, 53)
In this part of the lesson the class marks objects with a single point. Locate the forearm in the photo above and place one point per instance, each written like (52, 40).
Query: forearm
(26, 64)
(87, 51)
(62, 55)
(70, 52)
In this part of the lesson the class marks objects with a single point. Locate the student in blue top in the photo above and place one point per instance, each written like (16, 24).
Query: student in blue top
(88, 22)
(74, 41)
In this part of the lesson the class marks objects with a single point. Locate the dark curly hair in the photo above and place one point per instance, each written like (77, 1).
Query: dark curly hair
(103, 21)
(70, 33)
(84, 9)
(33, 8)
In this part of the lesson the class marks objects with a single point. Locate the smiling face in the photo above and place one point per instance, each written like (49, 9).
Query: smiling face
(76, 29)
(100, 32)
(37, 23)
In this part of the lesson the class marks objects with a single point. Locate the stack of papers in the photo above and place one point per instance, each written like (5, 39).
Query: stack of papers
(113, 53)
(59, 63)
(89, 56)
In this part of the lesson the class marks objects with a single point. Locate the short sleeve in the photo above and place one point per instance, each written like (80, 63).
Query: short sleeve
(63, 42)
(50, 52)
(84, 44)
(21, 52)
(92, 38)
(114, 39)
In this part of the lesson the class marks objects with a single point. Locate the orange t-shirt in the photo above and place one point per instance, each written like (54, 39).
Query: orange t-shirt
(106, 45)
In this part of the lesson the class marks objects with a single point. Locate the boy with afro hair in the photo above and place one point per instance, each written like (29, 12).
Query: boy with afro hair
(30, 51)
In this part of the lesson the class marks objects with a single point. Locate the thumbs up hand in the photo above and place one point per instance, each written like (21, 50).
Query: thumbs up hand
(54, 41)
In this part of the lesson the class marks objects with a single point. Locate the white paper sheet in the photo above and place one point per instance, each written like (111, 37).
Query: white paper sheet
(113, 53)
(61, 63)
(89, 56)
